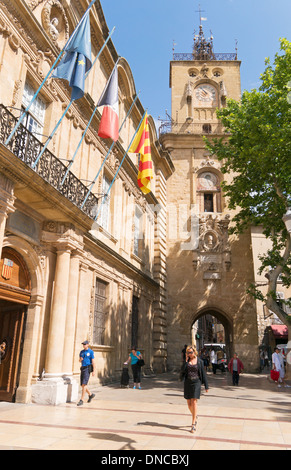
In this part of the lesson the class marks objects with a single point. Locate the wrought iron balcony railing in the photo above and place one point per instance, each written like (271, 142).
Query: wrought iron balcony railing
(189, 127)
(218, 56)
(27, 147)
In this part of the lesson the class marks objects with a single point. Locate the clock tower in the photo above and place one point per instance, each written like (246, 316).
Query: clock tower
(209, 270)
(201, 82)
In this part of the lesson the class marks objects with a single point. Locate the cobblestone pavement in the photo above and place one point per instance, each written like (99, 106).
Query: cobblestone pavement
(254, 416)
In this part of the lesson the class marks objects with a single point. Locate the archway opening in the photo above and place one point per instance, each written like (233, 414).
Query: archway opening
(15, 294)
(211, 330)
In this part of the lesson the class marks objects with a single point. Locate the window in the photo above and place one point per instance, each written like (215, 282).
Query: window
(208, 202)
(105, 201)
(134, 322)
(208, 192)
(99, 312)
(137, 231)
(206, 129)
(34, 120)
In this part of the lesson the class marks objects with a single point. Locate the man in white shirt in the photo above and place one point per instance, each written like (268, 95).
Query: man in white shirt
(213, 359)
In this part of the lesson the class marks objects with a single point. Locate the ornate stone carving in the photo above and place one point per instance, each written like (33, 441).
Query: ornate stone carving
(207, 181)
(55, 22)
(213, 254)
(7, 197)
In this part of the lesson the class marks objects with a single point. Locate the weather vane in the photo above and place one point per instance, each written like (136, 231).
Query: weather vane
(201, 17)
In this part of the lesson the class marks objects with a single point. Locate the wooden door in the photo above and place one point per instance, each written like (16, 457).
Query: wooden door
(11, 331)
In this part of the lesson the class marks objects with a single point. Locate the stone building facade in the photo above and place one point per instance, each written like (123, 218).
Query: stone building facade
(66, 277)
(209, 270)
(153, 264)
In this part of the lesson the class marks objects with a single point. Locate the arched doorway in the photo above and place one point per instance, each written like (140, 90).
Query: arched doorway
(15, 293)
(216, 328)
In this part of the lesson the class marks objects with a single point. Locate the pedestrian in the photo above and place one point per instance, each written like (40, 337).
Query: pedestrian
(87, 360)
(282, 359)
(205, 358)
(134, 358)
(235, 366)
(278, 365)
(213, 360)
(194, 375)
(266, 358)
(262, 360)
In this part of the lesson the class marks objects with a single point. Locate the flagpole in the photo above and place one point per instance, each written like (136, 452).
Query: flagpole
(101, 50)
(105, 196)
(109, 151)
(66, 110)
(47, 76)
(85, 131)
(51, 136)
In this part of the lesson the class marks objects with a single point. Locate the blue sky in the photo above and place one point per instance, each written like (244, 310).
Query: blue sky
(145, 32)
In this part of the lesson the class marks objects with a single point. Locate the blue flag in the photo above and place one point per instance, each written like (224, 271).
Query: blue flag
(77, 59)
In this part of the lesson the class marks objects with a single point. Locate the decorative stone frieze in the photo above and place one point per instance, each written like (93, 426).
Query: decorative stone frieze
(213, 254)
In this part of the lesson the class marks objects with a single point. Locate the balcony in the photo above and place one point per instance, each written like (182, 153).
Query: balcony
(26, 147)
(219, 56)
(189, 127)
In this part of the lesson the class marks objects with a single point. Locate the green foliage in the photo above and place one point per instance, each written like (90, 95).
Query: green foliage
(257, 151)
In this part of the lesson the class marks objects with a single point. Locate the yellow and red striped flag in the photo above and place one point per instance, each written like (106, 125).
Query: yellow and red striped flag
(141, 144)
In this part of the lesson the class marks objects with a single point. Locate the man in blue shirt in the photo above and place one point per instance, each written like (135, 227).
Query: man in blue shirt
(88, 365)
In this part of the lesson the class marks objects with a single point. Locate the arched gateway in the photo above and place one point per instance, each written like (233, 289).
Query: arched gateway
(226, 323)
(15, 293)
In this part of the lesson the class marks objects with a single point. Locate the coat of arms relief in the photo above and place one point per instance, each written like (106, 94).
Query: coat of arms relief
(213, 254)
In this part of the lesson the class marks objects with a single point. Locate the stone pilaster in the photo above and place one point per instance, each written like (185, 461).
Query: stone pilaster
(7, 199)
(160, 275)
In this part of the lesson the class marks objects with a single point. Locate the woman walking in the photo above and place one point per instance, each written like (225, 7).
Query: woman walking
(194, 375)
(134, 358)
(235, 367)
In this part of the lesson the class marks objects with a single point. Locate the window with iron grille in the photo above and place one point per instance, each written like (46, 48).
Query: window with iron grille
(99, 312)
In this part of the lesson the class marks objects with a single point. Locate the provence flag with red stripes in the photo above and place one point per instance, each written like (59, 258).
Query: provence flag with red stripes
(141, 144)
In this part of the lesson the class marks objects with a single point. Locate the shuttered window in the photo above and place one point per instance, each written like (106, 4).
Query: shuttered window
(99, 312)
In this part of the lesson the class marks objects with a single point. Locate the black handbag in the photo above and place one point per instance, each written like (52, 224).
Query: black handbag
(140, 362)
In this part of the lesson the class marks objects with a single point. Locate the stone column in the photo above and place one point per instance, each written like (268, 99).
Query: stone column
(54, 362)
(70, 329)
(53, 389)
(6, 204)
(83, 312)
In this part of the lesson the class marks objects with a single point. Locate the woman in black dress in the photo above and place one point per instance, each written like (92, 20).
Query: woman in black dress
(194, 375)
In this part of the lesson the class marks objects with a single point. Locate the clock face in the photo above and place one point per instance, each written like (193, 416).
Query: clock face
(205, 95)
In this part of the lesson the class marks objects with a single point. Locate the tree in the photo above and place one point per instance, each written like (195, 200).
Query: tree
(257, 152)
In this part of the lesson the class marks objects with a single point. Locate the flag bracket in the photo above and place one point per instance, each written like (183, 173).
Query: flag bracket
(88, 181)
(65, 160)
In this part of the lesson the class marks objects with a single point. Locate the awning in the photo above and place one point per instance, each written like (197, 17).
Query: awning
(280, 331)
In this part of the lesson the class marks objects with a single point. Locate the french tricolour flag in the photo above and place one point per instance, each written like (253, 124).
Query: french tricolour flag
(109, 124)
